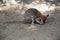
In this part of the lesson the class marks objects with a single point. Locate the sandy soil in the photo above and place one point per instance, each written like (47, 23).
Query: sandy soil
(13, 28)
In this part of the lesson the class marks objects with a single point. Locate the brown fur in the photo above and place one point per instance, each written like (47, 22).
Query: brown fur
(39, 15)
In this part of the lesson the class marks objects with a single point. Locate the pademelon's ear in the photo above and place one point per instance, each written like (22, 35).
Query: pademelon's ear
(47, 15)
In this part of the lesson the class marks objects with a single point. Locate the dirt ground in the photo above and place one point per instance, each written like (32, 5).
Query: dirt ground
(13, 28)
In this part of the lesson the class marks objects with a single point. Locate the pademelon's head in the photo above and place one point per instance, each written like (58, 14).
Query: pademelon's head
(41, 21)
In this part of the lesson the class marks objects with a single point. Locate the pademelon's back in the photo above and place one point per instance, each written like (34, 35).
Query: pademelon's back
(32, 12)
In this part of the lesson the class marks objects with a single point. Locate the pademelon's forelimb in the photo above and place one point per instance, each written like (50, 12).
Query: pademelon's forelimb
(32, 21)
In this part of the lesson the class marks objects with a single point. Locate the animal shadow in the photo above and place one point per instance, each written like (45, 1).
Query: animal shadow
(22, 22)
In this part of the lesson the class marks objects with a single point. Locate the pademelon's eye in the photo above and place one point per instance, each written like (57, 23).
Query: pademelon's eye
(39, 19)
